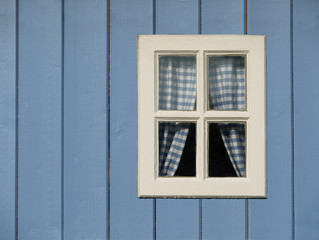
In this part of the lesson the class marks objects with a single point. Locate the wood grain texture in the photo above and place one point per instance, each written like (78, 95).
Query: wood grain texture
(176, 218)
(131, 218)
(85, 120)
(272, 218)
(223, 218)
(306, 92)
(7, 118)
(40, 136)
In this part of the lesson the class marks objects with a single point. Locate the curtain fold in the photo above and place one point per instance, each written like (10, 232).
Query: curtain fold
(227, 92)
(177, 91)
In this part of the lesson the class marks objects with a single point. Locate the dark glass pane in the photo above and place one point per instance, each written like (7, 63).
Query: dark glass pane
(227, 156)
(177, 149)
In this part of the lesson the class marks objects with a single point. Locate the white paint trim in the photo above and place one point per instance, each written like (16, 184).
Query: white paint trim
(254, 184)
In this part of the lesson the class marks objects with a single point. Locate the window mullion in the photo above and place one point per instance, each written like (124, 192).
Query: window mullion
(201, 97)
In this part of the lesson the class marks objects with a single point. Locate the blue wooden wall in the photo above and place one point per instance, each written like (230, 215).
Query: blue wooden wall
(68, 120)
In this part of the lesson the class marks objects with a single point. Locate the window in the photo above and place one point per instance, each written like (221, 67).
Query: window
(201, 116)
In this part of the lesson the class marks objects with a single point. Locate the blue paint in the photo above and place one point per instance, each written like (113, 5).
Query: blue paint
(40, 120)
(306, 92)
(7, 119)
(177, 17)
(85, 120)
(131, 218)
(177, 219)
(272, 218)
(224, 219)
(223, 17)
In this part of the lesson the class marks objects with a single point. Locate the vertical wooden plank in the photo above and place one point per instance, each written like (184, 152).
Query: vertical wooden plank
(177, 219)
(306, 93)
(131, 218)
(223, 17)
(177, 17)
(85, 120)
(40, 120)
(224, 218)
(272, 218)
(7, 118)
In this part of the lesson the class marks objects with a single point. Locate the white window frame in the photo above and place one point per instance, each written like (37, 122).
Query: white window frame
(254, 184)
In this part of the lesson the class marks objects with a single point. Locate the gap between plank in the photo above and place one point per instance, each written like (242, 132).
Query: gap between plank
(17, 124)
(108, 140)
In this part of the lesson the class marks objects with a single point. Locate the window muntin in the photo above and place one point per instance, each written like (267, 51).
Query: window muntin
(252, 48)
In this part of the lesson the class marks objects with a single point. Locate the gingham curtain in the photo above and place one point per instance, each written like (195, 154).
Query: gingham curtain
(227, 92)
(177, 91)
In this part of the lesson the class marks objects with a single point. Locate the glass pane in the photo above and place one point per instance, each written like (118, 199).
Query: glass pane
(227, 150)
(177, 83)
(226, 77)
(177, 149)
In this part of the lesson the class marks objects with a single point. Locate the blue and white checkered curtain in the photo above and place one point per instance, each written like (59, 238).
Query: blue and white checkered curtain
(172, 137)
(227, 92)
(177, 91)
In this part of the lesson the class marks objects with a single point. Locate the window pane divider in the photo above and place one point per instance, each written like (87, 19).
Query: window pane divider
(226, 115)
(177, 114)
(201, 159)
